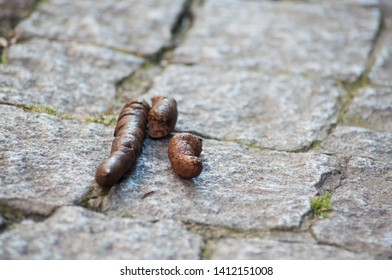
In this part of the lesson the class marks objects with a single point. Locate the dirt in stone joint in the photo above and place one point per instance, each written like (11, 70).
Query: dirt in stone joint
(11, 13)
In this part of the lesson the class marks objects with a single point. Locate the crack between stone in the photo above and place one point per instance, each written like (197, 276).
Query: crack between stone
(225, 233)
(351, 88)
(375, 42)
(331, 244)
(315, 145)
(7, 42)
(43, 109)
(182, 25)
(15, 215)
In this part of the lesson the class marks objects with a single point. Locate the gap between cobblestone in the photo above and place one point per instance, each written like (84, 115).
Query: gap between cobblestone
(4, 56)
(13, 215)
(363, 81)
(212, 234)
(331, 244)
(376, 40)
(104, 119)
(9, 41)
(181, 26)
(156, 63)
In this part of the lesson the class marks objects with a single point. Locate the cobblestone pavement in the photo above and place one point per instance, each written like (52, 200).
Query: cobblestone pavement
(293, 100)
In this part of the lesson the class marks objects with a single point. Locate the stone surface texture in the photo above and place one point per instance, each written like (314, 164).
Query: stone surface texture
(372, 108)
(256, 190)
(142, 27)
(274, 111)
(382, 70)
(69, 77)
(76, 233)
(361, 142)
(320, 39)
(46, 162)
(292, 100)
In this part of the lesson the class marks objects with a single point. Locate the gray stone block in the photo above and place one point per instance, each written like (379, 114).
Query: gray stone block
(70, 77)
(47, 162)
(372, 108)
(273, 111)
(76, 233)
(317, 39)
(361, 142)
(142, 27)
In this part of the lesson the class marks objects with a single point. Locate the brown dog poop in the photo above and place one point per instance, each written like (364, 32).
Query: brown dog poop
(127, 143)
(162, 117)
(184, 152)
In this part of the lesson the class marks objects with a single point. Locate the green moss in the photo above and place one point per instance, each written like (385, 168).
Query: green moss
(255, 146)
(321, 205)
(352, 91)
(149, 66)
(50, 111)
(316, 145)
(207, 252)
(11, 215)
(4, 56)
(237, 141)
(94, 197)
(103, 119)
(354, 120)
(251, 145)
(40, 109)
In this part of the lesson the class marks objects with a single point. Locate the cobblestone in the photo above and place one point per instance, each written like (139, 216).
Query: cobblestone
(291, 98)
(75, 233)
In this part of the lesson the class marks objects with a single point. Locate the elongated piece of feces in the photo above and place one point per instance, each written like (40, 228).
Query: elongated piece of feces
(126, 145)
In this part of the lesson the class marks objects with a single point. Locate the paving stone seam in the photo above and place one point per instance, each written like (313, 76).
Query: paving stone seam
(40, 109)
(158, 59)
(331, 244)
(9, 41)
(178, 30)
(351, 88)
(15, 215)
(377, 40)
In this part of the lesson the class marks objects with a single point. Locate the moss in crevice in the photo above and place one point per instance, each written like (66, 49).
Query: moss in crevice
(136, 84)
(351, 90)
(4, 56)
(11, 215)
(355, 120)
(206, 252)
(39, 109)
(259, 147)
(103, 119)
(321, 206)
(316, 145)
(249, 145)
(212, 234)
(94, 198)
